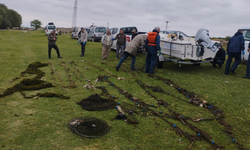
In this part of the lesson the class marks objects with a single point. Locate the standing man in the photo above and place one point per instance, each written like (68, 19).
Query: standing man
(106, 44)
(131, 50)
(120, 43)
(82, 39)
(134, 33)
(219, 57)
(234, 47)
(152, 45)
(52, 44)
(247, 76)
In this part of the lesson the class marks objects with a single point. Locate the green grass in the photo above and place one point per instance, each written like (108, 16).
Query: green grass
(43, 123)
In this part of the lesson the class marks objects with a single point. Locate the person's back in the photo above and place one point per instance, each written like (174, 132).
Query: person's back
(234, 47)
(236, 43)
(138, 41)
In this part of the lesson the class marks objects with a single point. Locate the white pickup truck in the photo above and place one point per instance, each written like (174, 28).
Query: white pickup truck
(246, 34)
(127, 31)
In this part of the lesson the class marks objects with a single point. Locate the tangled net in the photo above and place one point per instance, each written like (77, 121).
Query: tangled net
(89, 127)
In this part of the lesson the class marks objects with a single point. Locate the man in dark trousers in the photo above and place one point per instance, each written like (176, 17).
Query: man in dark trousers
(219, 58)
(152, 45)
(234, 47)
(247, 76)
(82, 39)
(52, 44)
(120, 43)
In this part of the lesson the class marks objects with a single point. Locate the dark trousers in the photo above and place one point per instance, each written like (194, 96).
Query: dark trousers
(83, 48)
(218, 62)
(248, 66)
(237, 57)
(56, 48)
(151, 61)
(125, 56)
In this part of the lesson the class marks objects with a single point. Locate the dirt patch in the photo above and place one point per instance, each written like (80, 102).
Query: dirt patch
(97, 103)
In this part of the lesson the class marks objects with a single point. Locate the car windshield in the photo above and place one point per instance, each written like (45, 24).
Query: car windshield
(51, 27)
(100, 29)
(246, 34)
(128, 30)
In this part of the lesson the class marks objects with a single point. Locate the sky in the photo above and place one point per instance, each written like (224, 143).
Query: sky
(221, 17)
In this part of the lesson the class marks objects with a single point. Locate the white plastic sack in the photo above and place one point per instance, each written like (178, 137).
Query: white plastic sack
(161, 58)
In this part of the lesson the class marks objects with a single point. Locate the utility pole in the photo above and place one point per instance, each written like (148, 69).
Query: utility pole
(74, 15)
(167, 24)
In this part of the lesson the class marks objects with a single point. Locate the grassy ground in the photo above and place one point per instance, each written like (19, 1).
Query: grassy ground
(43, 123)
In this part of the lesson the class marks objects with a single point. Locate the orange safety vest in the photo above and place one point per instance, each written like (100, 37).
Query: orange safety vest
(151, 38)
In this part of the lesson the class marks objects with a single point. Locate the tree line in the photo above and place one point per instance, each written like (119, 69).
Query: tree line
(9, 18)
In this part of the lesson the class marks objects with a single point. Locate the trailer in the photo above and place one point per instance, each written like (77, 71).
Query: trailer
(187, 50)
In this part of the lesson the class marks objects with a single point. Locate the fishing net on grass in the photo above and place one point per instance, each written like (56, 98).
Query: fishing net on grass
(97, 103)
(89, 127)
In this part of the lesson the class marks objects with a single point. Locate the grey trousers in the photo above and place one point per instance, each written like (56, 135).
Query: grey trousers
(119, 51)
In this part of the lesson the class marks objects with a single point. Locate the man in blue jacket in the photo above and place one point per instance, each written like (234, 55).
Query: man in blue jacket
(247, 76)
(152, 45)
(234, 47)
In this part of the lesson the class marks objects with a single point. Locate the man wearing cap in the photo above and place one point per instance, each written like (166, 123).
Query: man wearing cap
(134, 33)
(82, 39)
(106, 44)
(234, 47)
(219, 58)
(52, 44)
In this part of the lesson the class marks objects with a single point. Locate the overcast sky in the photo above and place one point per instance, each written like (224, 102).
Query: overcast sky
(221, 17)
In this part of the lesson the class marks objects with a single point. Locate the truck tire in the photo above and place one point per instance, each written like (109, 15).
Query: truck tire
(159, 64)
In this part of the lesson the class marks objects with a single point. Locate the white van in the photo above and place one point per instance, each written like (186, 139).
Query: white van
(48, 29)
(246, 34)
(96, 33)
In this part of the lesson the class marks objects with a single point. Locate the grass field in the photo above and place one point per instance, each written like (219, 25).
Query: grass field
(43, 123)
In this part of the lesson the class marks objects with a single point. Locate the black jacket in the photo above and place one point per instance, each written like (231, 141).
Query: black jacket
(220, 55)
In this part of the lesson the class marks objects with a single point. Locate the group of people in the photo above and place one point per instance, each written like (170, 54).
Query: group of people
(151, 44)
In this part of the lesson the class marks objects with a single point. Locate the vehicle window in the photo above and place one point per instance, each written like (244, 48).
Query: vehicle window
(183, 34)
(114, 30)
(246, 34)
(128, 30)
(87, 30)
(51, 27)
(100, 29)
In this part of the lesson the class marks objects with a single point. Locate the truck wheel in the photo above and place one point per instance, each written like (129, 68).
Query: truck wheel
(159, 64)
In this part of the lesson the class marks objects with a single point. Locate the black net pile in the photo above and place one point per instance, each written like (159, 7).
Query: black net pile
(97, 103)
(89, 127)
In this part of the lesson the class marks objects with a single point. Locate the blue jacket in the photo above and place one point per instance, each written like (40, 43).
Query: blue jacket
(236, 43)
(153, 49)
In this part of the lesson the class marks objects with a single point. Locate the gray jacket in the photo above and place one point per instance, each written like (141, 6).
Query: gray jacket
(107, 40)
(83, 36)
(138, 41)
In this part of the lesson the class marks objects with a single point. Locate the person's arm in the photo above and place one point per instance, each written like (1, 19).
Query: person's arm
(125, 39)
(228, 45)
(116, 37)
(86, 37)
(102, 40)
(242, 43)
(157, 42)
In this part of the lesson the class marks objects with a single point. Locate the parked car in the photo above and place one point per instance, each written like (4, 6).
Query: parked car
(127, 31)
(49, 28)
(96, 33)
(246, 34)
(76, 31)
